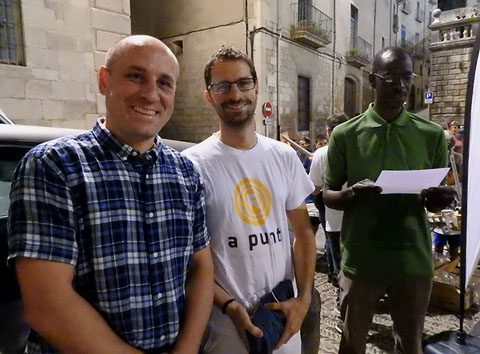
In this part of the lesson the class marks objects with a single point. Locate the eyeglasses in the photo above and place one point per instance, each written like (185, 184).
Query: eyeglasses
(224, 87)
(391, 78)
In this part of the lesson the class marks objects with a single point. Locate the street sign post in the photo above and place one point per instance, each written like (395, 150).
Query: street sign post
(267, 110)
(428, 97)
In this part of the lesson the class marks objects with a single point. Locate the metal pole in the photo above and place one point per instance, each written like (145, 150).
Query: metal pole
(297, 146)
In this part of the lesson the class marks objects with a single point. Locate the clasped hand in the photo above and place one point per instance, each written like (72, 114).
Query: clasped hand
(294, 310)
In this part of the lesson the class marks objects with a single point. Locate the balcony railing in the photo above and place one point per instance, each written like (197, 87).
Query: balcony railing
(359, 52)
(420, 15)
(406, 6)
(456, 33)
(311, 26)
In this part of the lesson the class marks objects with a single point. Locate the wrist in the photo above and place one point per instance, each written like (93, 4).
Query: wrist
(305, 298)
(227, 304)
(232, 309)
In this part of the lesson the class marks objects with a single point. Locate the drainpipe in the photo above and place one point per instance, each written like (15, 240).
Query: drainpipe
(246, 26)
(374, 26)
(277, 70)
(334, 54)
(391, 24)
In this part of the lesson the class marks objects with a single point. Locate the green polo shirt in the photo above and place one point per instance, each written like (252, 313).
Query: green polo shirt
(385, 236)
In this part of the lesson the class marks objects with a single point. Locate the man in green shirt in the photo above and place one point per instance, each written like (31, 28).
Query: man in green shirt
(386, 242)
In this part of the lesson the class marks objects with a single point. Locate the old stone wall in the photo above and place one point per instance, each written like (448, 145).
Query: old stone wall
(65, 43)
(449, 78)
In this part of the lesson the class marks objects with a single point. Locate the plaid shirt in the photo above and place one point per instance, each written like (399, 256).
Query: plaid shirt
(129, 226)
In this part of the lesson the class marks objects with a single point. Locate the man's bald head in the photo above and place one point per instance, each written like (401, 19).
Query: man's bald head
(388, 55)
(127, 43)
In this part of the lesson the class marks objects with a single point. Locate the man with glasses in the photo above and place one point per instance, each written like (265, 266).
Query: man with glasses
(254, 186)
(386, 241)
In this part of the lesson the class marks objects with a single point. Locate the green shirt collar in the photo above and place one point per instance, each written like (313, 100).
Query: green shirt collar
(373, 119)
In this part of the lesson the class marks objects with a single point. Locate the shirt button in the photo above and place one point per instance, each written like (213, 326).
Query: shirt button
(146, 176)
(155, 254)
(159, 295)
(134, 153)
(150, 215)
(124, 158)
(162, 337)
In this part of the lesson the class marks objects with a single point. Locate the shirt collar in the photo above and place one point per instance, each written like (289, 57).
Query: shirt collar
(375, 120)
(107, 139)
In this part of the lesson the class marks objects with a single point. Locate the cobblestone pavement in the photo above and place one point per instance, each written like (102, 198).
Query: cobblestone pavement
(380, 339)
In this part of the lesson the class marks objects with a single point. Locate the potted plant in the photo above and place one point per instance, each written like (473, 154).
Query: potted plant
(353, 51)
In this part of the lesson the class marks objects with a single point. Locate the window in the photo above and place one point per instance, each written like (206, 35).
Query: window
(383, 42)
(353, 26)
(417, 38)
(305, 10)
(403, 36)
(11, 39)
(303, 103)
(451, 4)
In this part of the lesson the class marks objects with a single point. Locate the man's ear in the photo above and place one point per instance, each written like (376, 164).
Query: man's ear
(207, 96)
(103, 78)
(371, 78)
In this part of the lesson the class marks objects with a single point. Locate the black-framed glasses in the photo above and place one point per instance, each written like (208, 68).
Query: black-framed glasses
(224, 87)
(406, 77)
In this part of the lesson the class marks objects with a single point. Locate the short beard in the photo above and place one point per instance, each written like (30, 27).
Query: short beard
(240, 123)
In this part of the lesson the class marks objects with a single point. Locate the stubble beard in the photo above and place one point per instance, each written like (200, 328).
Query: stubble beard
(237, 121)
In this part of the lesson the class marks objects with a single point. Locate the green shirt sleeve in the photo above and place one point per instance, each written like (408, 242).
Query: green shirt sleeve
(336, 166)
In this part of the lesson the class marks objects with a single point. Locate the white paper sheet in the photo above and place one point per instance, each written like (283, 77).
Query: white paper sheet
(410, 182)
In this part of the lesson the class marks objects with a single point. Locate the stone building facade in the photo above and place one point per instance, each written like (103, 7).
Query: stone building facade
(312, 56)
(454, 32)
(64, 43)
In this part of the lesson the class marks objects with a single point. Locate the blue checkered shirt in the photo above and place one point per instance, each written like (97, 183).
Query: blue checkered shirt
(128, 225)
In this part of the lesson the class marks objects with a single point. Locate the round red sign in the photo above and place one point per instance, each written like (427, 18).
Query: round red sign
(267, 109)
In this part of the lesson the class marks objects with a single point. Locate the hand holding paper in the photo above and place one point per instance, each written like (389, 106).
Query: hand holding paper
(410, 182)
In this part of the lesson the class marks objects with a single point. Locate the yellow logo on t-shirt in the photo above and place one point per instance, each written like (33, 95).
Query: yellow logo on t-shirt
(252, 201)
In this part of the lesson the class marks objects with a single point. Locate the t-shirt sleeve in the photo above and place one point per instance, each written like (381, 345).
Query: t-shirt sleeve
(201, 237)
(336, 172)
(41, 213)
(317, 169)
(301, 185)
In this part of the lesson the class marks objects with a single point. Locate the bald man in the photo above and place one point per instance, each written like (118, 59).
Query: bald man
(107, 228)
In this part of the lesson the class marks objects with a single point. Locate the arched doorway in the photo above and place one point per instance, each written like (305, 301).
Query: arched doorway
(350, 97)
(411, 98)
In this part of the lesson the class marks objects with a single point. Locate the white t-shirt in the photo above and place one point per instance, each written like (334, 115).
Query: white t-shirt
(247, 195)
(333, 218)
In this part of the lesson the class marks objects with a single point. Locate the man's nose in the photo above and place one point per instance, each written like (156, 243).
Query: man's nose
(234, 91)
(150, 91)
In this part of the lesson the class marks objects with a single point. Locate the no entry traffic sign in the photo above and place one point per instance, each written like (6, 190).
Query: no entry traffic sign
(267, 109)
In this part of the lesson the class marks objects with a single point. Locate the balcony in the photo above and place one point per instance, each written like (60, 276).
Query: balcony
(406, 7)
(359, 53)
(311, 26)
(420, 17)
(449, 34)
